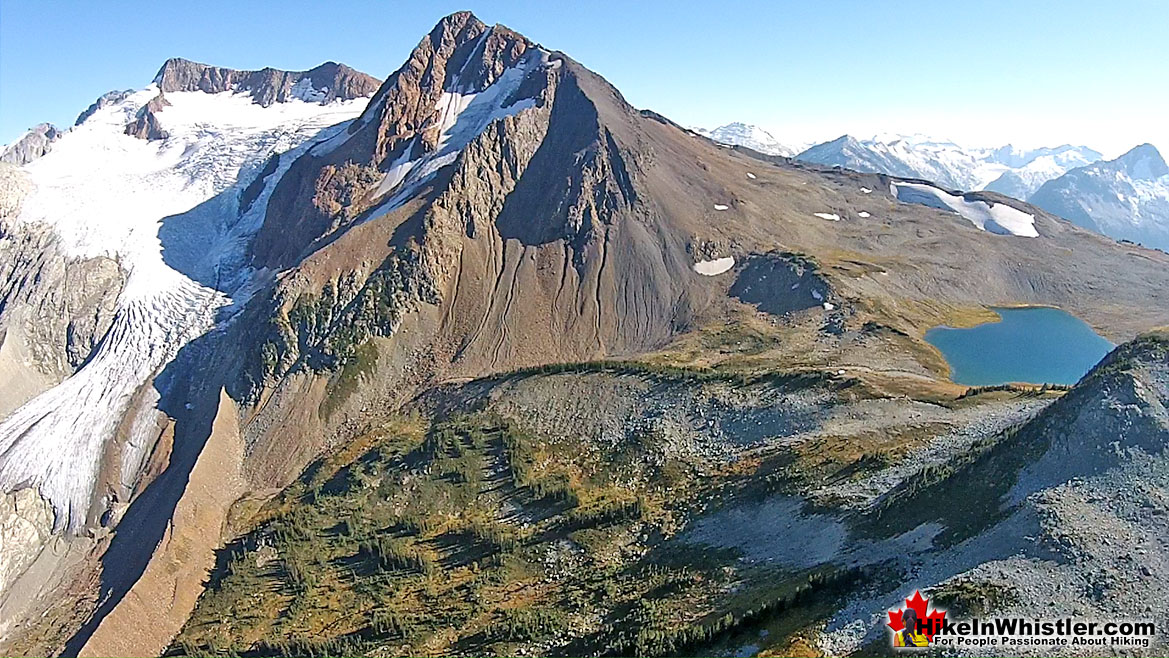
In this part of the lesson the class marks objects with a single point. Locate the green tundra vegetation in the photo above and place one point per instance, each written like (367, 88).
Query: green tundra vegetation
(471, 537)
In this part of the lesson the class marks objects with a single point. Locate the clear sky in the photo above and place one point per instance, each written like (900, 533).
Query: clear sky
(1028, 72)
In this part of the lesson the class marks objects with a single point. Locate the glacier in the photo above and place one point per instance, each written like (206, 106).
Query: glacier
(105, 193)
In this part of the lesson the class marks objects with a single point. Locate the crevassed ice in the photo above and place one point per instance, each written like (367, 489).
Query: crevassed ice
(304, 90)
(105, 193)
(994, 217)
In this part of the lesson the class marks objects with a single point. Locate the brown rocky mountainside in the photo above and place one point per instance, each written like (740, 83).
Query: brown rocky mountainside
(563, 329)
(499, 206)
(569, 229)
(331, 81)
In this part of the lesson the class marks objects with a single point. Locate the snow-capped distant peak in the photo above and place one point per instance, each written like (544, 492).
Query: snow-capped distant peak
(750, 136)
(1126, 198)
(1008, 169)
(1143, 162)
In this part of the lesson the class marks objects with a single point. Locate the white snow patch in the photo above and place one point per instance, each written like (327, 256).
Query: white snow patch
(828, 306)
(865, 190)
(719, 206)
(863, 214)
(830, 216)
(716, 266)
(750, 175)
(994, 217)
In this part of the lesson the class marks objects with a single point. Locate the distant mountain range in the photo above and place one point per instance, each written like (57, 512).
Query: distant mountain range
(1006, 169)
(1126, 198)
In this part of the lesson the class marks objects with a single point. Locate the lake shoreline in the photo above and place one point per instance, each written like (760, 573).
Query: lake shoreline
(1029, 344)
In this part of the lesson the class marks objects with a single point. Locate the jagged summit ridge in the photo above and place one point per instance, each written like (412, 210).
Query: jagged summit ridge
(325, 83)
(463, 76)
(461, 55)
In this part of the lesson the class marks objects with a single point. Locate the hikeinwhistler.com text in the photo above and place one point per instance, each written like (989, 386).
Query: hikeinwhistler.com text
(1020, 632)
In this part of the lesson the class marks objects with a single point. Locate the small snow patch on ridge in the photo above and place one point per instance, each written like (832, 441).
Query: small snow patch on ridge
(863, 214)
(719, 206)
(750, 175)
(865, 190)
(716, 266)
(830, 216)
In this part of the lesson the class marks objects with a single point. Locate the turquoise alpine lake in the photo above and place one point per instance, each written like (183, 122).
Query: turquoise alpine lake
(1033, 345)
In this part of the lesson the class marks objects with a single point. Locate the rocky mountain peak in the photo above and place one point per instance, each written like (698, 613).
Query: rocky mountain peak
(460, 56)
(325, 83)
(1143, 162)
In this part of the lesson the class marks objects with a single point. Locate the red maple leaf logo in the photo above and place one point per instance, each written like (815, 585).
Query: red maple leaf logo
(920, 605)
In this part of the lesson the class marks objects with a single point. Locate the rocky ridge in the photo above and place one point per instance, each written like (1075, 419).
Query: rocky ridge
(328, 82)
(32, 145)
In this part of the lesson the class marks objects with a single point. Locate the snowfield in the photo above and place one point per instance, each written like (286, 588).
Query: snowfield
(714, 267)
(107, 194)
(994, 217)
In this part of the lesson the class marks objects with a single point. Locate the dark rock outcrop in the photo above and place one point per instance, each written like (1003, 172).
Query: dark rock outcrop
(1117, 412)
(328, 82)
(35, 143)
(145, 124)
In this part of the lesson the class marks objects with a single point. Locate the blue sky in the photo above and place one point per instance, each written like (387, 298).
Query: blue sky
(980, 73)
